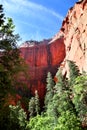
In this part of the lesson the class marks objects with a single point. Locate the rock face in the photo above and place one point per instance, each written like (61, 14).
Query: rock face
(42, 58)
(74, 31)
(69, 44)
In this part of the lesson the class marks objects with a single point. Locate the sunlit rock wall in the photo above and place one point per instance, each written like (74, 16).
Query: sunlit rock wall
(42, 58)
(74, 31)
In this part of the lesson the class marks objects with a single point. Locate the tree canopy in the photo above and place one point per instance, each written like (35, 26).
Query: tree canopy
(10, 65)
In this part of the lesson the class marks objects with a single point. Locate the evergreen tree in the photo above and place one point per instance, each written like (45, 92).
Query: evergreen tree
(37, 105)
(61, 100)
(1, 15)
(10, 66)
(61, 97)
(17, 117)
(73, 72)
(68, 121)
(67, 108)
(50, 90)
(32, 107)
(9, 57)
(60, 84)
(80, 98)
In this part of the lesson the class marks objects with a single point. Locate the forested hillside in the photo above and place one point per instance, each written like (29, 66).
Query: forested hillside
(44, 86)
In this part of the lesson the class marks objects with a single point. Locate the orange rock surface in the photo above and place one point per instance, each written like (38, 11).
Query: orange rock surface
(69, 44)
(41, 59)
(74, 31)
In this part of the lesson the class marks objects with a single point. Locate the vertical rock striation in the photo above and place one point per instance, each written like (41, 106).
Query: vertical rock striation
(69, 44)
(74, 31)
(42, 58)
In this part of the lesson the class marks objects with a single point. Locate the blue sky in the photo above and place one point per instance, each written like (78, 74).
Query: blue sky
(37, 19)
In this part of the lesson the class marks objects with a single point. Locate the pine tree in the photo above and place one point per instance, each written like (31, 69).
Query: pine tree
(62, 110)
(60, 90)
(37, 105)
(74, 72)
(1, 15)
(17, 117)
(80, 97)
(60, 84)
(10, 62)
(32, 107)
(10, 66)
(50, 90)
(61, 99)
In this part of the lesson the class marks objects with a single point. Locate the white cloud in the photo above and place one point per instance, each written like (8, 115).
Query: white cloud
(26, 6)
(31, 18)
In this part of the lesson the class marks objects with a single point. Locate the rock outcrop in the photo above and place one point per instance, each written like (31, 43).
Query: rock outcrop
(74, 31)
(69, 44)
(42, 58)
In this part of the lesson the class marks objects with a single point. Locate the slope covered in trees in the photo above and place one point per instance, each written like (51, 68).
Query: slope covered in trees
(66, 108)
(65, 104)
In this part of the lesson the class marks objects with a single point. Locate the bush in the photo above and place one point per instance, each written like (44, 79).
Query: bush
(68, 121)
(40, 123)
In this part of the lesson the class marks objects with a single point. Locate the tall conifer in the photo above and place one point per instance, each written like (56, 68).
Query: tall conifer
(37, 105)
(50, 90)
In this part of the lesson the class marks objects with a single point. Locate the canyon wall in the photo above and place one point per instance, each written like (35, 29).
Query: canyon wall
(74, 31)
(41, 58)
(69, 44)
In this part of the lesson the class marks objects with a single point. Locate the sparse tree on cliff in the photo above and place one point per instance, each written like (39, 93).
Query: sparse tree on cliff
(73, 72)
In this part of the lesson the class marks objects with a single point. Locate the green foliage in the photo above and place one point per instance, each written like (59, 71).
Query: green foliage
(57, 102)
(50, 90)
(64, 106)
(17, 117)
(7, 29)
(37, 105)
(40, 123)
(80, 97)
(65, 101)
(11, 65)
(61, 99)
(49, 106)
(9, 57)
(60, 85)
(68, 121)
(74, 72)
(1, 15)
(34, 106)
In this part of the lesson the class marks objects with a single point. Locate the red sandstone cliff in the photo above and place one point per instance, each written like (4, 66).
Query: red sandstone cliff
(69, 44)
(42, 58)
(74, 31)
